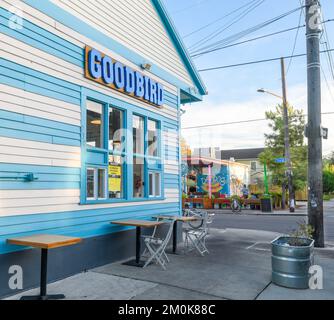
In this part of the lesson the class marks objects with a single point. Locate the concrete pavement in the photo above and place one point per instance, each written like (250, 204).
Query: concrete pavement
(238, 267)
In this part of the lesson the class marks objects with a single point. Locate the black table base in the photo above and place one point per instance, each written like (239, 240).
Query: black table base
(134, 263)
(48, 297)
(43, 284)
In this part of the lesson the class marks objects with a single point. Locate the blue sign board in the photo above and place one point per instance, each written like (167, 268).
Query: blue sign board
(280, 160)
(109, 72)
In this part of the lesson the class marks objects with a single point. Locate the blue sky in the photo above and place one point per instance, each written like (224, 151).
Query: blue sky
(233, 92)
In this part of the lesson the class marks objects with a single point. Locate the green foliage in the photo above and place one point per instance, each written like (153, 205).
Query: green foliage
(275, 147)
(328, 178)
(304, 231)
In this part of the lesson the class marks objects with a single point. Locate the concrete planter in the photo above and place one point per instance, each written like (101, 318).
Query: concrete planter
(290, 264)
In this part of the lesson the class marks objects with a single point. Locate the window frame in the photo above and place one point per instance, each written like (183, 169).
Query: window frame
(96, 183)
(151, 163)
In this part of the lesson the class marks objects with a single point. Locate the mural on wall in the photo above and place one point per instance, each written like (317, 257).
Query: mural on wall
(219, 181)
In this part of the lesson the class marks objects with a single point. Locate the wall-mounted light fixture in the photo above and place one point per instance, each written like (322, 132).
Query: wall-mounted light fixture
(146, 66)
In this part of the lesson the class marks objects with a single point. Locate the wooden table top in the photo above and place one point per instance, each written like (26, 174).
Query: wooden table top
(138, 223)
(44, 241)
(179, 218)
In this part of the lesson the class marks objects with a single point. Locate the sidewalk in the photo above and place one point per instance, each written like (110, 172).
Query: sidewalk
(299, 212)
(238, 267)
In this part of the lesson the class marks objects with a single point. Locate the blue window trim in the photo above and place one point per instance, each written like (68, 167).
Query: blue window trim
(128, 111)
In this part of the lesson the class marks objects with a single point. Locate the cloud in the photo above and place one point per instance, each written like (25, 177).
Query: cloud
(247, 135)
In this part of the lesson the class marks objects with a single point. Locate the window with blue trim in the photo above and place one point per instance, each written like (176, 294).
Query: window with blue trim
(108, 166)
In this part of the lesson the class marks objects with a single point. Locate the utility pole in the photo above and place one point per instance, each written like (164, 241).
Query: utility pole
(313, 131)
(287, 140)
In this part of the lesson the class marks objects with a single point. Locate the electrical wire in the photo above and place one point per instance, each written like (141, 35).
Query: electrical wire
(295, 43)
(219, 19)
(189, 7)
(257, 61)
(252, 39)
(241, 121)
(246, 41)
(243, 33)
(216, 33)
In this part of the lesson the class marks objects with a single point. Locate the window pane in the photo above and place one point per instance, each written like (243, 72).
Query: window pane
(150, 184)
(94, 124)
(138, 135)
(115, 129)
(115, 177)
(101, 183)
(90, 183)
(153, 143)
(138, 177)
(157, 184)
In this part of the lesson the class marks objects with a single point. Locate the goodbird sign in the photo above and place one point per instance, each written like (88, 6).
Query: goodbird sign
(113, 74)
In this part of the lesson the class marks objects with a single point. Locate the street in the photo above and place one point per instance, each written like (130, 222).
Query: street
(282, 224)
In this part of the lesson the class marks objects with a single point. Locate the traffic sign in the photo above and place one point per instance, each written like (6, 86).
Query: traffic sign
(280, 160)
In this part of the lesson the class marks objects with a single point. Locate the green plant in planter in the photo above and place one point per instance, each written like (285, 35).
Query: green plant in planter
(235, 197)
(184, 196)
(298, 236)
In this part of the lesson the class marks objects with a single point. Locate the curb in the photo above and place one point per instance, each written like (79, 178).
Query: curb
(261, 214)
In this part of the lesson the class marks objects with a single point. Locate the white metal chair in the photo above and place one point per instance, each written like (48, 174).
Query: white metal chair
(156, 247)
(195, 238)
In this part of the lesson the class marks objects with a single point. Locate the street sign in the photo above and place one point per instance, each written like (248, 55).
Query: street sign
(279, 160)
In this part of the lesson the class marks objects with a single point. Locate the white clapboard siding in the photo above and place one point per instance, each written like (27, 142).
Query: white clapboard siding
(29, 56)
(38, 153)
(51, 25)
(171, 168)
(66, 203)
(127, 22)
(24, 194)
(20, 101)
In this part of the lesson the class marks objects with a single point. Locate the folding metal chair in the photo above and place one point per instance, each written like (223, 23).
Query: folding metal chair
(195, 238)
(155, 247)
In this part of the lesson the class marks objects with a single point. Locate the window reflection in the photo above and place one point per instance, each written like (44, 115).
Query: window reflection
(138, 135)
(94, 131)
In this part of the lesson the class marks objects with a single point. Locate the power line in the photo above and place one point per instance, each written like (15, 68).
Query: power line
(327, 84)
(246, 41)
(245, 32)
(189, 7)
(295, 42)
(226, 26)
(242, 121)
(257, 61)
(219, 19)
(253, 39)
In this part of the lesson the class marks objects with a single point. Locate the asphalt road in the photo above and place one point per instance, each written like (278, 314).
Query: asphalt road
(281, 224)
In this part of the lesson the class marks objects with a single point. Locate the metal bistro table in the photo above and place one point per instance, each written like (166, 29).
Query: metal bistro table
(176, 219)
(138, 224)
(44, 242)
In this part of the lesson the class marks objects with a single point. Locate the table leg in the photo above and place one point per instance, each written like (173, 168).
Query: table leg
(174, 236)
(136, 262)
(43, 281)
(138, 244)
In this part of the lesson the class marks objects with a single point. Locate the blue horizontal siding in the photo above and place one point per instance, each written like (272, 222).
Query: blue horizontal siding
(171, 181)
(85, 223)
(39, 38)
(15, 125)
(48, 177)
(25, 78)
(171, 99)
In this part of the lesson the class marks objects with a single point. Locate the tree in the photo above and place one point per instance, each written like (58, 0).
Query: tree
(328, 178)
(274, 142)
